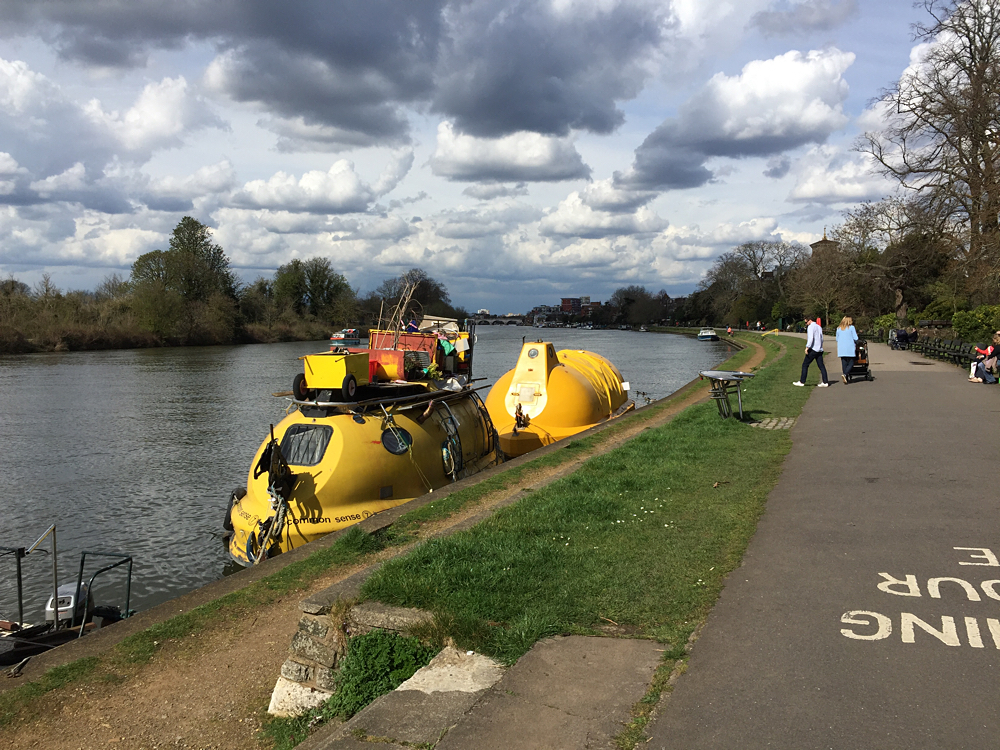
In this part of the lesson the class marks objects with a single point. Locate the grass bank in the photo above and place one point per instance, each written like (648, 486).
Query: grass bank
(639, 538)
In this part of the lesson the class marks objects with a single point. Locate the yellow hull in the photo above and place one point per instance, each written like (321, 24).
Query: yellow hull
(550, 396)
(348, 466)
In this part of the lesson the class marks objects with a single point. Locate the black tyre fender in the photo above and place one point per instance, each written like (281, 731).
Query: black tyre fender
(299, 390)
(237, 494)
(350, 387)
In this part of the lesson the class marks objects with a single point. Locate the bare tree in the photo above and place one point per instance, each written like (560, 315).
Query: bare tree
(942, 136)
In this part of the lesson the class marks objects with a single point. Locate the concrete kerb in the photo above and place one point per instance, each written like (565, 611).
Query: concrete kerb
(101, 641)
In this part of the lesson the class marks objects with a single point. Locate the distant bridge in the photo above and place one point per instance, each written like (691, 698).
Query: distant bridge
(498, 320)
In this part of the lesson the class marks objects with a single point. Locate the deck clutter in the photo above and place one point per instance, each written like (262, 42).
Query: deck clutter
(368, 429)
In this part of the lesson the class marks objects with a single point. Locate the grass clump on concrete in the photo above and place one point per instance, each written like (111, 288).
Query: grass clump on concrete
(641, 536)
(376, 663)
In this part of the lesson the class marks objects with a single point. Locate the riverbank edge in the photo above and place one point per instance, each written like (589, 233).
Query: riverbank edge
(101, 642)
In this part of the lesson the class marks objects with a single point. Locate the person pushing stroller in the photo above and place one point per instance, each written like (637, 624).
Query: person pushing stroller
(814, 351)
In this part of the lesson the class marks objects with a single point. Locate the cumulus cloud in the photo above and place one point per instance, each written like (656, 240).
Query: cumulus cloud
(160, 118)
(825, 175)
(574, 218)
(180, 193)
(391, 228)
(605, 195)
(485, 222)
(773, 106)
(338, 190)
(801, 17)
(79, 153)
(521, 157)
(71, 180)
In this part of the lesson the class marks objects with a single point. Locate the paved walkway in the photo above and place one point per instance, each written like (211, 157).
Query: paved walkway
(867, 610)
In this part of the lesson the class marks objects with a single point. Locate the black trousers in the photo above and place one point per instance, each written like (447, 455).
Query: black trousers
(810, 356)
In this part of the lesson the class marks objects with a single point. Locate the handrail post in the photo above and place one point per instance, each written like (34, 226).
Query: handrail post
(18, 554)
(76, 599)
(55, 581)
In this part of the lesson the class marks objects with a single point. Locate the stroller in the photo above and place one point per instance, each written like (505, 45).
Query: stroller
(860, 370)
(899, 339)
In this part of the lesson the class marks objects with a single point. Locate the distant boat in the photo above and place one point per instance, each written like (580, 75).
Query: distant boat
(346, 337)
(708, 334)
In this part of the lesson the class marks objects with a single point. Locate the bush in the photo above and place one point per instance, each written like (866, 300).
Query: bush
(978, 324)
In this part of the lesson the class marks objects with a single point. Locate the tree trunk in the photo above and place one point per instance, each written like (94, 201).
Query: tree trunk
(901, 309)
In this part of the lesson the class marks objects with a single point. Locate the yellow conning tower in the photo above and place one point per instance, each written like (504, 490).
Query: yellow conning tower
(551, 395)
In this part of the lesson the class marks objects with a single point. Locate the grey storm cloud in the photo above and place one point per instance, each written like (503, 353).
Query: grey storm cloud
(338, 72)
(491, 190)
(810, 15)
(523, 66)
(778, 167)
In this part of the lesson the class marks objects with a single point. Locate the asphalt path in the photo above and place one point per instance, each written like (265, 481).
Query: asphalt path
(866, 613)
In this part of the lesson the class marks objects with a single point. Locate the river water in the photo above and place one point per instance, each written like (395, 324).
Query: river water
(136, 451)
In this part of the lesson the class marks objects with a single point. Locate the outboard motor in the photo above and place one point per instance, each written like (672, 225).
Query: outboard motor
(70, 611)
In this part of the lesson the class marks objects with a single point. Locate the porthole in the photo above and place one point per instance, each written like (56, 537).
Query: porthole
(396, 440)
(532, 353)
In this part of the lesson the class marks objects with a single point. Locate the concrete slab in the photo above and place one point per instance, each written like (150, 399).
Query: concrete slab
(813, 644)
(453, 670)
(566, 693)
(411, 716)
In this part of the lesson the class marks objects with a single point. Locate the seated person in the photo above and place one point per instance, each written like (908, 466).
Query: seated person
(985, 364)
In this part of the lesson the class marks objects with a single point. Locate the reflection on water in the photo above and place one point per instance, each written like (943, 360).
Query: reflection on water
(136, 451)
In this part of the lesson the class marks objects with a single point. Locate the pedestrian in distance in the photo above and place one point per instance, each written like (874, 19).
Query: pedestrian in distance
(847, 339)
(814, 351)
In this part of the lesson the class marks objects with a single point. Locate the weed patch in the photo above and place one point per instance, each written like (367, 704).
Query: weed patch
(376, 663)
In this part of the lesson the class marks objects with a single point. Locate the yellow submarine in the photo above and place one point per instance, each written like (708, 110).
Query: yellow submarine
(369, 429)
(552, 395)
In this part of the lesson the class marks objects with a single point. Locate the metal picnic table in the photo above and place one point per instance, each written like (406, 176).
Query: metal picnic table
(725, 382)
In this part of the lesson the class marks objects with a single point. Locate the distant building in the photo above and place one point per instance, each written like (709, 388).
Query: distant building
(824, 244)
(571, 305)
(483, 311)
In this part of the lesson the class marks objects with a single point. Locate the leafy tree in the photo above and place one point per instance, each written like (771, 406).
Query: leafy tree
(197, 267)
(290, 289)
(174, 288)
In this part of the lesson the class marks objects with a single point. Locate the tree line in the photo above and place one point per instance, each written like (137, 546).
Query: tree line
(189, 294)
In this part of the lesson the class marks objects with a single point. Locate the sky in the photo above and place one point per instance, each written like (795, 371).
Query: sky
(518, 151)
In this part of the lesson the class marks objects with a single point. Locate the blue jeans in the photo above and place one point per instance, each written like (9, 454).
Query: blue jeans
(846, 363)
(810, 356)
